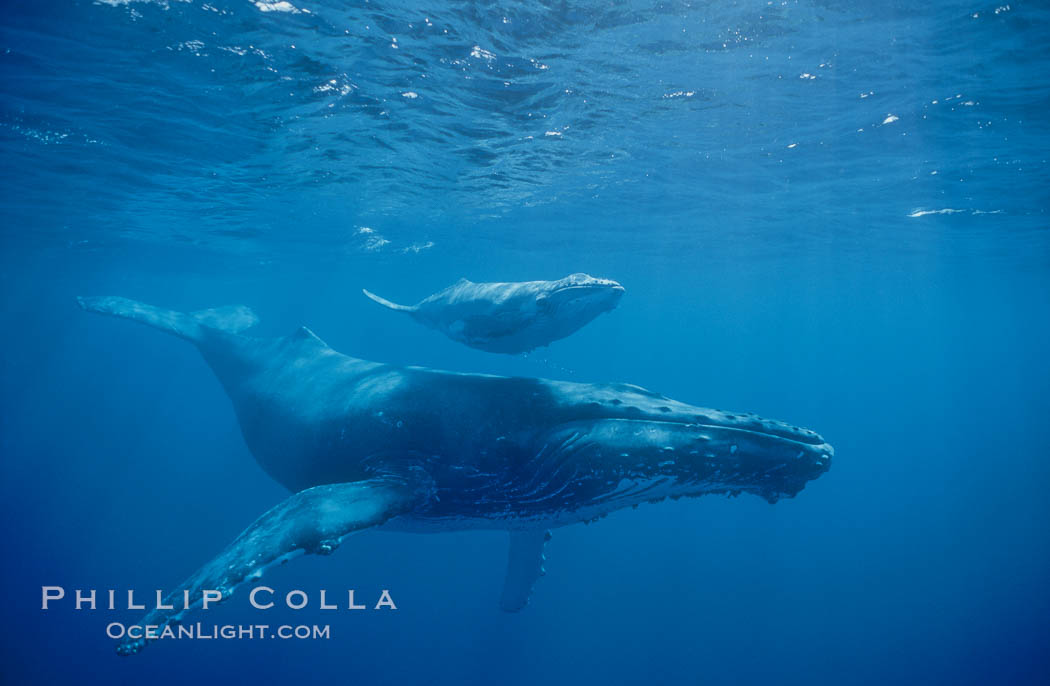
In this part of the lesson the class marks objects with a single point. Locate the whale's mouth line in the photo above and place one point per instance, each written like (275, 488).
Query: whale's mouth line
(588, 287)
(821, 446)
(763, 434)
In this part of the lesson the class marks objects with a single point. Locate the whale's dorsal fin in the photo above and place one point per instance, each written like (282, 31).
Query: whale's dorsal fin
(305, 334)
(386, 303)
(524, 567)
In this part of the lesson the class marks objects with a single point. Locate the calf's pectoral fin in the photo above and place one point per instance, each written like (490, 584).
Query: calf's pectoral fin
(524, 566)
(386, 303)
(311, 521)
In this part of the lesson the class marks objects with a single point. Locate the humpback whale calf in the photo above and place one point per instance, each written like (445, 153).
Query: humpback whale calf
(365, 444)
(513, 317)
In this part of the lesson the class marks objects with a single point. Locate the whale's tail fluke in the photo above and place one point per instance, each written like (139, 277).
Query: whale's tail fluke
(386, 303)
(191, 326)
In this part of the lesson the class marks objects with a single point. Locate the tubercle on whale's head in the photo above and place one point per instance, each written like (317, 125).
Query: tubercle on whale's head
(581, 293)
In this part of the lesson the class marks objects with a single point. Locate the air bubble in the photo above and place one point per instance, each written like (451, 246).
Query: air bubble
(327, 547)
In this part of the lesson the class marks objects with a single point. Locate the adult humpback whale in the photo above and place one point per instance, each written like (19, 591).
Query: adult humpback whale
(513, 317)
(364, 444)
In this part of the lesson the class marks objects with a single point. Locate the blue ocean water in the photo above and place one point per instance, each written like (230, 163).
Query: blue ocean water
(828, 213)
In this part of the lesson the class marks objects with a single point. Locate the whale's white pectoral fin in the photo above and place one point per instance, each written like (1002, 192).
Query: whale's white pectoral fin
(524, 567)
(311, 521)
